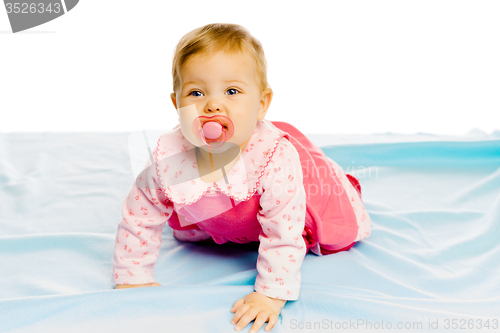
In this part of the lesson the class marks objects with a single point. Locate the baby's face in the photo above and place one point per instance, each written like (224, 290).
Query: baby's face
(220, 84)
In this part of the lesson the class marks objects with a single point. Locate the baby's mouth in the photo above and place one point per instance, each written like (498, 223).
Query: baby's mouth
(217, 128)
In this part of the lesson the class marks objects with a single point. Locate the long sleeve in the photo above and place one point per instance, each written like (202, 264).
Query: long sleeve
(282, 217)
(145, 212)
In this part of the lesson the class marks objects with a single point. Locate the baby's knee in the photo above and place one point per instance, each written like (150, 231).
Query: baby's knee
(193, 235)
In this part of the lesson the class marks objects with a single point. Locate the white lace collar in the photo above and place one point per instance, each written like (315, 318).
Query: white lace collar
(177, 169)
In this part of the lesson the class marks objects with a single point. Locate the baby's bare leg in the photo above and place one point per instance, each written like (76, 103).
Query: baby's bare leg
(192, 235)
(126, 286)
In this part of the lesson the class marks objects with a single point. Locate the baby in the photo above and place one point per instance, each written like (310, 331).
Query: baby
(225, 174)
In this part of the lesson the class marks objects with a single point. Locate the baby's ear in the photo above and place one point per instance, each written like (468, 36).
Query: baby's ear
(265, 101)
(174, 100)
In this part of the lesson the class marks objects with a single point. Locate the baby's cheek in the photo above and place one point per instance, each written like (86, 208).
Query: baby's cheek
(187, 116)
(242, 131)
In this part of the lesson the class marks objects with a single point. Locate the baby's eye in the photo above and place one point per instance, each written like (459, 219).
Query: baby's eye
(232, 91)
(194, 92)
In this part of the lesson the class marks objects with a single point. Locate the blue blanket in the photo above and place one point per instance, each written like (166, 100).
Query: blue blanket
(431, 263)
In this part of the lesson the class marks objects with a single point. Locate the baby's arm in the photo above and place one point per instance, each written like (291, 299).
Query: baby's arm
(145, 212)
(282, 217)
(282, 248)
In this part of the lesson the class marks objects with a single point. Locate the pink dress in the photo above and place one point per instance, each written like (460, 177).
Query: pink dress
(282, 192)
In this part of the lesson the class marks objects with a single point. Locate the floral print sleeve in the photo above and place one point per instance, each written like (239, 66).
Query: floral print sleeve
(282, 217)
(145, 212)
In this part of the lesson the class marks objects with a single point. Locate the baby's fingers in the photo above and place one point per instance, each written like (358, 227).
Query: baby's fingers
(249, 314)
(273, 319)
(237, 304)
(239, 313)
(262, 317)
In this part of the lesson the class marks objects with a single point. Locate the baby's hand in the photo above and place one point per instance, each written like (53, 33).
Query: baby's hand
(259, 307)
(125, 286)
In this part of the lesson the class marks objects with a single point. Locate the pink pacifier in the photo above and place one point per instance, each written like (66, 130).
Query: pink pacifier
(213, 129)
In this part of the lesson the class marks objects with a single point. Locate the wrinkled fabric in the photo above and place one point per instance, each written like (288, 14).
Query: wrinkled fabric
(432, 256)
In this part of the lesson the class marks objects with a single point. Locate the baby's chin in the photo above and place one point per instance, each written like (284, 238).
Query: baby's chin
(218, 147)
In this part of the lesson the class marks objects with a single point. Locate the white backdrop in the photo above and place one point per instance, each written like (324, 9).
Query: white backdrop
(335, 66)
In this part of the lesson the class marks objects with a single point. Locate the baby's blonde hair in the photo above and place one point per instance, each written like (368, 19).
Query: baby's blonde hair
(219, 37)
